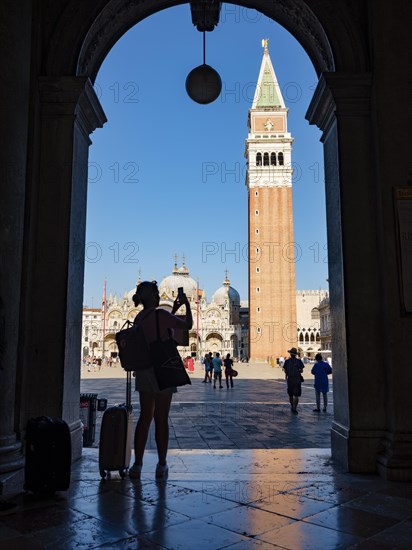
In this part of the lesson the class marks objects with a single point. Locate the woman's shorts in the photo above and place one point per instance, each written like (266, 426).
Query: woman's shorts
(217, 374)
(145, 381)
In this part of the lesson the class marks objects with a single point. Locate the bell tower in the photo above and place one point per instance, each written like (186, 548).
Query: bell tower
(271, 261)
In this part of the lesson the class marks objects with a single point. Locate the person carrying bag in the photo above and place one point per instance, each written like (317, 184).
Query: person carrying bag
(157, 383)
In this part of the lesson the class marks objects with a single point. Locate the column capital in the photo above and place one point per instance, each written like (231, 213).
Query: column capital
(72, 96)
(340, 94)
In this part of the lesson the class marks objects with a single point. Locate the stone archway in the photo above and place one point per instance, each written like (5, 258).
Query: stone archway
(66, 106)
(214, 342)
(116, 17)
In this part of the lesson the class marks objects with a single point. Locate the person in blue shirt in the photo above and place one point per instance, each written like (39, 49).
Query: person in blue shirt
(320, 370)
(217, 367)
(207, 361)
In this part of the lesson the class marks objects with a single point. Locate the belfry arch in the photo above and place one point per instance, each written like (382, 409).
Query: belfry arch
(46, 134)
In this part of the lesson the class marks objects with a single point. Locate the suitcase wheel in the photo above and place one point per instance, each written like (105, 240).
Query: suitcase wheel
(103, 473)
(122, 473)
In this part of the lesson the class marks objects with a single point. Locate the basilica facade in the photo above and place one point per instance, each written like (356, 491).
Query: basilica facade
(219, 324)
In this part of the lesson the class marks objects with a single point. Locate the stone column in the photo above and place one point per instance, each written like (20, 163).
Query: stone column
(341, 109)
(14, 109)
(68, 111)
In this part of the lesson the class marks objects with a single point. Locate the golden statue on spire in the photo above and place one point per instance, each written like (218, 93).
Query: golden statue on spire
(265, 42)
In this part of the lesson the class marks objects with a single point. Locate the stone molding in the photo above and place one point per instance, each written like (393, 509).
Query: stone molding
(10, 454)
(340, 94)
(395, 460)
(72, 96)
(270, 184)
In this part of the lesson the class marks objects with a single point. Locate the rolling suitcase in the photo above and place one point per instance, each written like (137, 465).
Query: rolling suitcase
(48, 455)
(115, 446)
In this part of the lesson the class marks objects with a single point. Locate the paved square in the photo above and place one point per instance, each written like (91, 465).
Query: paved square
(255, 414)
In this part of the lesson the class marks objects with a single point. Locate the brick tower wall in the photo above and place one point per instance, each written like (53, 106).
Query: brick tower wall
(273, 329)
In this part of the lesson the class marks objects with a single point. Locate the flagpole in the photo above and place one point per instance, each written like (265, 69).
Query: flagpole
(104, 316)
(197, 319)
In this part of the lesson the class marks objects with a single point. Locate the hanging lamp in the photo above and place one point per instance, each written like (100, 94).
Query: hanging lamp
(203, 83)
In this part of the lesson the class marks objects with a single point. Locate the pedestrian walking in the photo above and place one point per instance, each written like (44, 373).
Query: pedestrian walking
(293, 368)
(320, 370)
(211, 366)
(228, 370)
(190, 364)
(217, 368)
(206, 363)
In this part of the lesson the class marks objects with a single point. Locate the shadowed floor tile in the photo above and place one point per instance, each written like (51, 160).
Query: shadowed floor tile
(351, 520)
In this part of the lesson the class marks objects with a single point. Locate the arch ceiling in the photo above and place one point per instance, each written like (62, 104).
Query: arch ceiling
(86, 31)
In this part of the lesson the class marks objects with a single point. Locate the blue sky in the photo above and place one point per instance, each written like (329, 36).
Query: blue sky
(167, 175)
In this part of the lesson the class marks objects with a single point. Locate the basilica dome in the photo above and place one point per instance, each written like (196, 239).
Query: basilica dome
(132, 292)
(179, 277)
(226, 293)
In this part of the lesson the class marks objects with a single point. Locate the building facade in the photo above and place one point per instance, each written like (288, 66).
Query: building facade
(221, 324)
(308, 316)
(272, 283)
(217, 324)
(92, 332)
(326, 328)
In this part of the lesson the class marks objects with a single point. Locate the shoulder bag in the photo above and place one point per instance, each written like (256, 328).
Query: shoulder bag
(166, 361)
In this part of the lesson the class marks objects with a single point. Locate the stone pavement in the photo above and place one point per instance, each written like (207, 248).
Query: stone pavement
(227, 494)
(268, 499)
(255, 414)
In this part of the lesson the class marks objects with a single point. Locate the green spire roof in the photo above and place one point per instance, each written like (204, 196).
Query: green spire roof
(268, 89)
(267, 92)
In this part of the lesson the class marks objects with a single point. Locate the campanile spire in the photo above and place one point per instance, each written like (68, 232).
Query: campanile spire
(268, 93)
(272, 286)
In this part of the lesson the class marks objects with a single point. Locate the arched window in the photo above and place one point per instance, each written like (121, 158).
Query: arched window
(312, 337)
(317, 337)
(315, 313)
(280, 159)
(265, 159)
(300, 337)
(273, 159)
(259, 159)
(307, 337)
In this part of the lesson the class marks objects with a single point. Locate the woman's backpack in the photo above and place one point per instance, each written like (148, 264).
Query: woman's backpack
(133, 349)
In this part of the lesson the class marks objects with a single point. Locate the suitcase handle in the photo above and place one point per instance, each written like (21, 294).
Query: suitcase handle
(128, 388)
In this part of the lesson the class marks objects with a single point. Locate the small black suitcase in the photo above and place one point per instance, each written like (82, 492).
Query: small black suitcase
(48, 455)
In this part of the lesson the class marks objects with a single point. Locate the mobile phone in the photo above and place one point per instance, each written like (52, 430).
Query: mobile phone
(180, 293)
